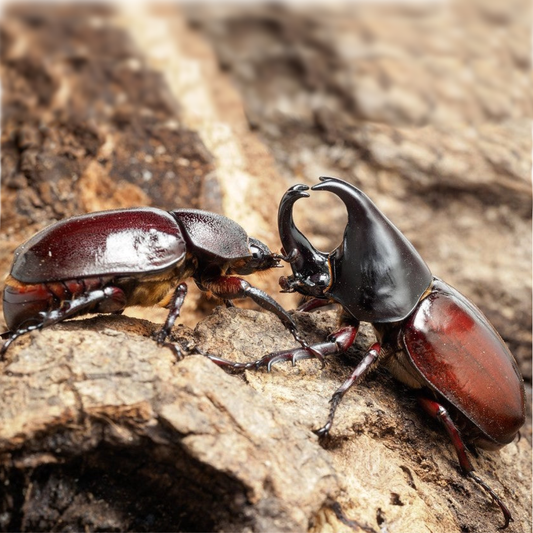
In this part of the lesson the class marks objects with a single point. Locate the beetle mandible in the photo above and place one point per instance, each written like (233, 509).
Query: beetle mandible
(106, 261)
(430, 336)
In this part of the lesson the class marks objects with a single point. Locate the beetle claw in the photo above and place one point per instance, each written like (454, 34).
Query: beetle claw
(505, 511)
(308, 348)
(160, 337)
(224, 363)
(270, 359)
(175, 349)
(322, 432)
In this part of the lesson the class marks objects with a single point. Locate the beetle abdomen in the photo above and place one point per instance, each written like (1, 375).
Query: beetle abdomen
(25, 303)
(462, 357)
(124, 241)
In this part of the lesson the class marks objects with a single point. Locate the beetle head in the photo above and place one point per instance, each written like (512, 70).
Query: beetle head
(261, 259)
(311, 275)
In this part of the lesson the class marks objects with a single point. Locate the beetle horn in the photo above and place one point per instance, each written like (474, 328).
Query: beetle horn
(384, 271)
(308, 258)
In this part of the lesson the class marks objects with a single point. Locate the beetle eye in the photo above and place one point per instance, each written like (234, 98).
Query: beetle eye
(256, 252)
(261, 258)
(260, 252)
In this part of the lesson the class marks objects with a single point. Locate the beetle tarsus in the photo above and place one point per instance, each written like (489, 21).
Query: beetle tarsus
(504, 509)
(227, 365)
(338, 342)
(174, 348)
(313, 352)
(438, 411)
(294, 355)
(361, 370)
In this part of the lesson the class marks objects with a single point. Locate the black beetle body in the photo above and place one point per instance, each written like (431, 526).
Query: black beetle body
(109, 260)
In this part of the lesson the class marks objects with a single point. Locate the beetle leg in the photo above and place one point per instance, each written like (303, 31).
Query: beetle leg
(229, 287)
(338, 342)
(68, 309)
(293, 355)
(224, 363)
(175, 306)
(361, 370)
(438, 411)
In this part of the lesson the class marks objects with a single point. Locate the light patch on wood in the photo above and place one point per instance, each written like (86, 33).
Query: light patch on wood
(186, 81)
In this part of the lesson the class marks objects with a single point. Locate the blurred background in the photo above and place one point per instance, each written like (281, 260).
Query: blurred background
(425, 106)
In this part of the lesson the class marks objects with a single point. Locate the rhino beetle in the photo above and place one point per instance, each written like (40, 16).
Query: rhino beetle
(106, 261)
(430, 337)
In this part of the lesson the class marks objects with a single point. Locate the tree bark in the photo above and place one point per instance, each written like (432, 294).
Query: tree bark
(102, 429)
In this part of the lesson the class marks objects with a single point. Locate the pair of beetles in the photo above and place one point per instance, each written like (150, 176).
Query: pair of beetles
(430, 337)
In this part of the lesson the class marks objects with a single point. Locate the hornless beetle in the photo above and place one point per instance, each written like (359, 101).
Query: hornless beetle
(103, 262)
(430, 337)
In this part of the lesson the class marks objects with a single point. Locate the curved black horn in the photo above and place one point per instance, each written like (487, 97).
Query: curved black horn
(384, 271)
(308, 260)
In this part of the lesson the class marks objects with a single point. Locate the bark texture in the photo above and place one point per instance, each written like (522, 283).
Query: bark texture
(103, 430)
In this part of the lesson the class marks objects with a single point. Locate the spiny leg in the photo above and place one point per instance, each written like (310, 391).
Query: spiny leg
(174, 307)
(438, 411)
(338, 342)
(229, 287)
(361, 370)
(68, 309)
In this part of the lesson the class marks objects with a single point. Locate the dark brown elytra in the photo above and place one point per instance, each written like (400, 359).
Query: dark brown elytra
(430, 337)
(104, 262)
